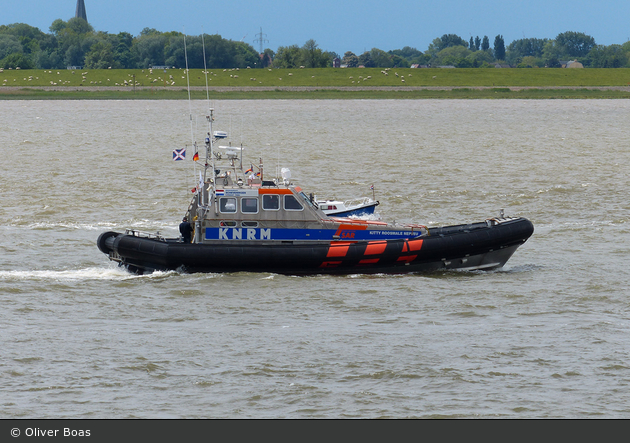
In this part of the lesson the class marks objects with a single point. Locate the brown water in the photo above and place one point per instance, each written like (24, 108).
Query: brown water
(546, 336)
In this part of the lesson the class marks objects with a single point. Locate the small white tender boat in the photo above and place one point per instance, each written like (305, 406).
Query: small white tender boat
(353, 208)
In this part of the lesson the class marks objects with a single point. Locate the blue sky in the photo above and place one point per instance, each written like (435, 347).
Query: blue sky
(341, 25)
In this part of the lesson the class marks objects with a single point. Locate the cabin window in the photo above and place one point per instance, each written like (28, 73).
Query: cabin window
(271, 202)
(227, 204)
(249, 205)
(249, 224)
(291, 203)
(229, 224)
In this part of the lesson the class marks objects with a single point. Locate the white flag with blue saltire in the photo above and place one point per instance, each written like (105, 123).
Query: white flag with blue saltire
(179, 154)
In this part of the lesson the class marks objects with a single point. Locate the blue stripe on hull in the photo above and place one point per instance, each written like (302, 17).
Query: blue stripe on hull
(305, 234)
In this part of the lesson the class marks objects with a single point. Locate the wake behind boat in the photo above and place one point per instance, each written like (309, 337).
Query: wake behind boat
(243, 221)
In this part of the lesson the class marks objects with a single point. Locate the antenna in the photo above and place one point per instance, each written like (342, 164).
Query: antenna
(260, 37)
(209, 117)
(192, 136)
(209, 138)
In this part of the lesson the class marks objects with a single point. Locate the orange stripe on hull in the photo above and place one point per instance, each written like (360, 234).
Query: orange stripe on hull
(375, 247)
(368, 261)
(412, 245)
(338, 249)
(415, 245)
(330, 264)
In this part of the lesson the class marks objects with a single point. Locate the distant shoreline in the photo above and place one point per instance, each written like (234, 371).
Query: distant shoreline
(328, 83)
(308, 88)
(310, 92)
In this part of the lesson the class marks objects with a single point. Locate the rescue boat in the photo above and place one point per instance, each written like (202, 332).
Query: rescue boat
(243, 221)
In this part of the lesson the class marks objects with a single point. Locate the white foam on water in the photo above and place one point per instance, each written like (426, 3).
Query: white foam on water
(93, 273)
(72, 225)
(145, 225)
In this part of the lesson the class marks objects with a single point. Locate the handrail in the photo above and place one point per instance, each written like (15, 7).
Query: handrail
(141, 234)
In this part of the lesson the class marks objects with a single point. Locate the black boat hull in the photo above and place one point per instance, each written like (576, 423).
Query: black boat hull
(485, 245)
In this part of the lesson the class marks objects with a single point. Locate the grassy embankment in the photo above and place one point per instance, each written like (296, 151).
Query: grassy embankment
(359, 83)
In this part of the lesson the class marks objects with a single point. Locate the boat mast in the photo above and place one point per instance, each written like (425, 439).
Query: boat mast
(192, 136)
(210, 151)
(209, 138)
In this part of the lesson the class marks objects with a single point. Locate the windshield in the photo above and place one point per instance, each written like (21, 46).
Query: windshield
(311, 201)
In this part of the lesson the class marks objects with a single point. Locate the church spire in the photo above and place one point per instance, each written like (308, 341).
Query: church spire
(81, 10)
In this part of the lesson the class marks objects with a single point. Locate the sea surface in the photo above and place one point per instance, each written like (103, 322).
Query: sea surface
(547, 336)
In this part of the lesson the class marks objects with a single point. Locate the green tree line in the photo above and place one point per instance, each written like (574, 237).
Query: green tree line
(76, 43)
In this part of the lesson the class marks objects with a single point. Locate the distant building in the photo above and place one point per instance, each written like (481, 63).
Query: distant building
(336, 62)
(573, 64)
(80, 13)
